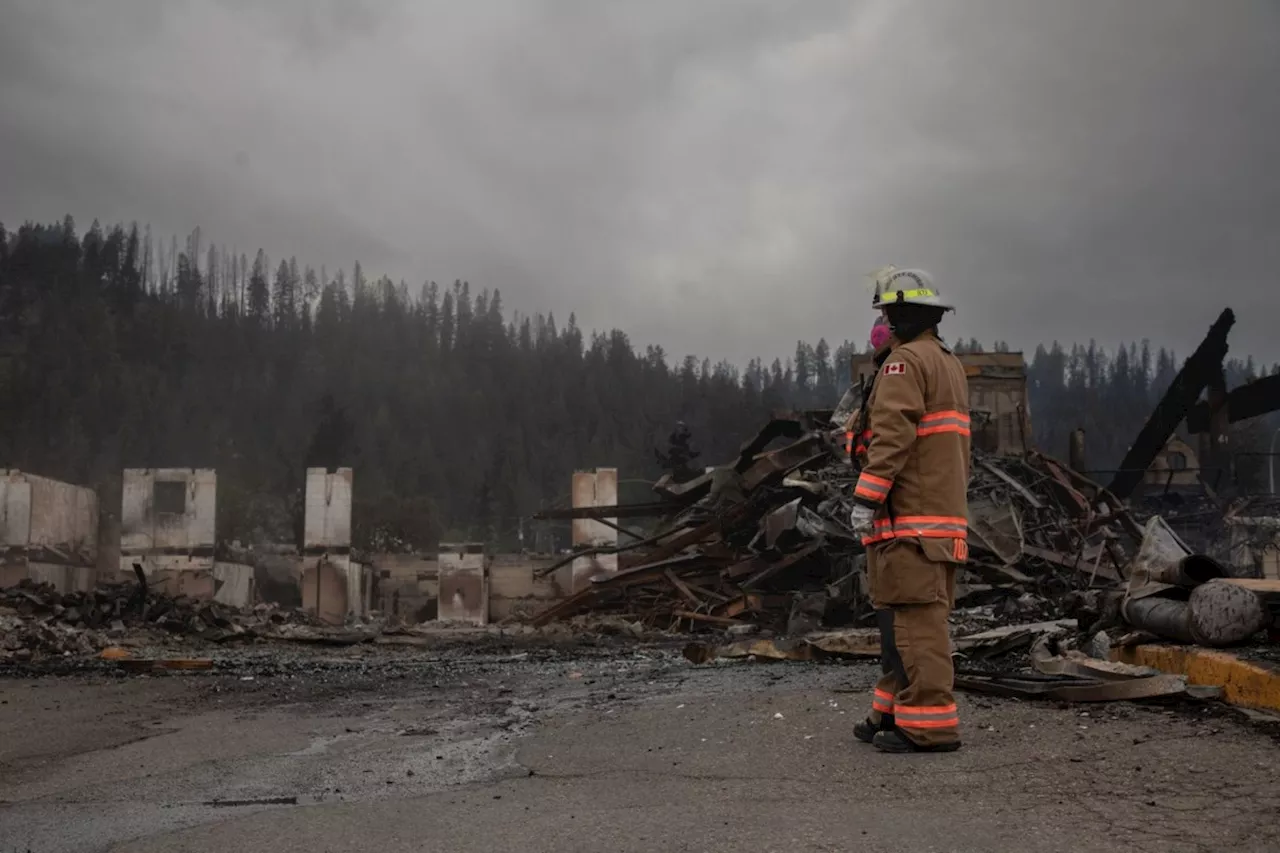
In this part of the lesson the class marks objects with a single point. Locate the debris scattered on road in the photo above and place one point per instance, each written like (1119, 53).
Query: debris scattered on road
(850, 643)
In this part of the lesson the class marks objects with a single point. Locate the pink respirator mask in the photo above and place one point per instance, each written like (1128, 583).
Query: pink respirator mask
(879, 334)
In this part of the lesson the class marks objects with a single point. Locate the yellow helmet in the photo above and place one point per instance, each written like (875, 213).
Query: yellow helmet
(892, 286)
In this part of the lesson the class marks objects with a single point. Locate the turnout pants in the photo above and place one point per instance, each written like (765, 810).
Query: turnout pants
(912, 595)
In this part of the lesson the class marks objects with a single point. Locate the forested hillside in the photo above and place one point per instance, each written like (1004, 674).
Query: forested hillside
(459, 419)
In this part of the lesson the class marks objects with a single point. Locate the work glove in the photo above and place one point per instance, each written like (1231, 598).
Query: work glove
(861, 521)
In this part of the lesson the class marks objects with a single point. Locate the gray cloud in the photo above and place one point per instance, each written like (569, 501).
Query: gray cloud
(714, 176)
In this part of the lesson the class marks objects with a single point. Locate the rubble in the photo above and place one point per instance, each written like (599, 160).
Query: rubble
(1178, 595)
(764, 541)
(36, 621)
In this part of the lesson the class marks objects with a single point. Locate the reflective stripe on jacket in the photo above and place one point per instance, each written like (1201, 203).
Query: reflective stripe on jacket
(915, 467)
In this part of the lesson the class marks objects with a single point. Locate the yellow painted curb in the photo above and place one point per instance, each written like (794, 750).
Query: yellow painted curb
(1250, 684)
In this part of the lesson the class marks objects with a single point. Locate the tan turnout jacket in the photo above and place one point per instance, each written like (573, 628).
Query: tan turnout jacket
(915, 465)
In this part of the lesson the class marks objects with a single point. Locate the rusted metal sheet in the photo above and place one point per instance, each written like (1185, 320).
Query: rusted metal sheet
(1080, 503)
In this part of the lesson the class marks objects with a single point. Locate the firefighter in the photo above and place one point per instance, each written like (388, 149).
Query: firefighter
(911, 513)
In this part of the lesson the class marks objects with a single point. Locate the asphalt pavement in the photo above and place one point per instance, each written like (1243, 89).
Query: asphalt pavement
(601, 751)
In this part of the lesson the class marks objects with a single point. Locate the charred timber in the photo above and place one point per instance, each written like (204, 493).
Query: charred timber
(1196, 373)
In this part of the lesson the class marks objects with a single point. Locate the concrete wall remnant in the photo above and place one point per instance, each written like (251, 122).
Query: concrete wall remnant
(594, 489)
(409, 586)
(517, 590)
(325, 590)
(327, 516)
(333, 587)
(234, 584)
(464, 583)
(48, 531)
(167, 518)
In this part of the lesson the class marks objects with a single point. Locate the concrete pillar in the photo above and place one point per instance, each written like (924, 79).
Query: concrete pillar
(464, 583)
(592, 489)
(326, 541)
(1076, 451)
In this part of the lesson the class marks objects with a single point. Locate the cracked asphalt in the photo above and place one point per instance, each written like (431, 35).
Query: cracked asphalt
(613, 747)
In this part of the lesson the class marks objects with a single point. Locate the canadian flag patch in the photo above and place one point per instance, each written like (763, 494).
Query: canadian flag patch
(896, 368)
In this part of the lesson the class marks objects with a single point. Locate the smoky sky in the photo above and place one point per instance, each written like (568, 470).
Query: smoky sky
(714, 176)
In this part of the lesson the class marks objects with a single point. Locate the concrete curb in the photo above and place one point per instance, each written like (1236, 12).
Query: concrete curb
(1248, 684)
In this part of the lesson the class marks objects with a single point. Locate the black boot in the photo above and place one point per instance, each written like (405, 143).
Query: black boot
(895, 741)
(866, 730)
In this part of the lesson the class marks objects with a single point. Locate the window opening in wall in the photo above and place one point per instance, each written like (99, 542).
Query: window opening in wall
(170, 497)
(1178, 461)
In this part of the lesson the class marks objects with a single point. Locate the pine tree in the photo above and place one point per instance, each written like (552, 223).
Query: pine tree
(259, 291)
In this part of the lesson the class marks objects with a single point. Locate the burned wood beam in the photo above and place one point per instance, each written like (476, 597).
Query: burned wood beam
(570, 606)
(1076, 564)
(683, 590)
(608, 549)
(607, 523)
(703, 531)
(707, 593)
(1196, 373)
(600, 513)
(685, 493)
(703, 617)
(777, 567)
(1254, 399)
(737, 606)
(1022, 490)
(646, 573)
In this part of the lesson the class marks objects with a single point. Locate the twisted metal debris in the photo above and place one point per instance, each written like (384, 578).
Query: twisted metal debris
(763, 539)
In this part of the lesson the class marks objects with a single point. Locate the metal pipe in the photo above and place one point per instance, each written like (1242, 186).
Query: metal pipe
(1161, 616)
(1223, 614)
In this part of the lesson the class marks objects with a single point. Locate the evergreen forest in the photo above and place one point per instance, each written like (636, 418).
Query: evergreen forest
(460, 418)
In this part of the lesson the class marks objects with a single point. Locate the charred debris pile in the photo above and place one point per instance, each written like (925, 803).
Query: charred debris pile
(764, 540)
(38, 622)
(762, 544)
